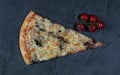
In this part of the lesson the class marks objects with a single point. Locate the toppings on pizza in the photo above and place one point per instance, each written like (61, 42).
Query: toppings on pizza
(38, 42)
(88, 45)
(46, 40)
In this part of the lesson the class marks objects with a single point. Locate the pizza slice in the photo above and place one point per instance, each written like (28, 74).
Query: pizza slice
(41, 40)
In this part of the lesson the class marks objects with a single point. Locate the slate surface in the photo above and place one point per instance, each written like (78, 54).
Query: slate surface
(100, 61)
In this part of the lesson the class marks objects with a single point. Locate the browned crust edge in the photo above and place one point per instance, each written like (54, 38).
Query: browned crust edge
(24, 51)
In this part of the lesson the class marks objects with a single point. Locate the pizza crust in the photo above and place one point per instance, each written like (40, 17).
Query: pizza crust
(22, 41)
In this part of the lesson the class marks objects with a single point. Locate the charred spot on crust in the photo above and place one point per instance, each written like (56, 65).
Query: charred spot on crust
(38, 42)
(88, 45)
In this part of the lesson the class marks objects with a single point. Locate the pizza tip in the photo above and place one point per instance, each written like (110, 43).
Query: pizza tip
(98, 44)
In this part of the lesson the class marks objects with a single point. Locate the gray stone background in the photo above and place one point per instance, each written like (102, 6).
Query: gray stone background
(99, 61)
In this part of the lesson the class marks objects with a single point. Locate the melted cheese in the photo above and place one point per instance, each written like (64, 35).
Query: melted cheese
(50, 43)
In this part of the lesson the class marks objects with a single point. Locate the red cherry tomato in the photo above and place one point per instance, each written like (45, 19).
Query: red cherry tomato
(84, 17)
(93, 18)
(92, 28)
(101, 25)
(80, 27)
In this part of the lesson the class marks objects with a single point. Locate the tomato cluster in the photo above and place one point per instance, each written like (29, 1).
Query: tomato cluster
(89, 22)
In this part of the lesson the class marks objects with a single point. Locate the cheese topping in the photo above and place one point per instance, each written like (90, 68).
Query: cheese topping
(48, 40)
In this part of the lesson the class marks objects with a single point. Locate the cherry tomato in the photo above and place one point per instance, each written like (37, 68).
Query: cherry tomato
(80, 27)
(101, 25)
(84, 17)
(92, 28)
(93, 18)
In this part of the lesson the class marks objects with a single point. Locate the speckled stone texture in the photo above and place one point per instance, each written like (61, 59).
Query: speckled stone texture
(99, 61)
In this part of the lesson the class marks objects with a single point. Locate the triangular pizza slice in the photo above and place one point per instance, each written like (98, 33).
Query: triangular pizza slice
(41, 40)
